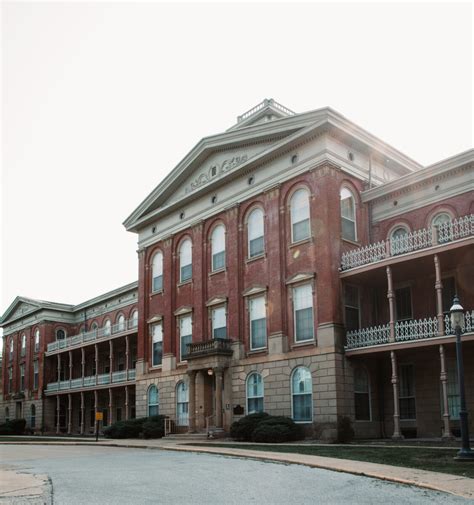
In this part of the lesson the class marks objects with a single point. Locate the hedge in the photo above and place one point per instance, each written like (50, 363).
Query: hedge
(146, 427)
(262, 427)
(243, 428)
(13, 427)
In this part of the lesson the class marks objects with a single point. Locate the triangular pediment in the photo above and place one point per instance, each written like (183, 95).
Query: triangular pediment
(19, 308)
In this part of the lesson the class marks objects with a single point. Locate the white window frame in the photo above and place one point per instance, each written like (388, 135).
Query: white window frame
(134, 317)
(248, 397)
(293, 211)
(253, 223)
(251, 303)
(182, 252)
(294, 290)
(121, 323)
(107, 327)
(346, 190)
(23, 345)
(35, 374)
(153, 342)
(214, 310)
(148, 404)
(182, 321)
(368, 393)
(22, 377)
(37, 340)
(292, 392)
(157, 271)
(182, 419)
(218, 246)
(400, 397)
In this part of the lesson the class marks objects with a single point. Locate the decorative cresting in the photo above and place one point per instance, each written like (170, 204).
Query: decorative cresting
(217, 346)
(414, 241)
(98, 334)
(405, 331)
(215, 170)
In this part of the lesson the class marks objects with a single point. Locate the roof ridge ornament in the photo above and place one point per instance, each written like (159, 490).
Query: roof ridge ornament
(267, 102)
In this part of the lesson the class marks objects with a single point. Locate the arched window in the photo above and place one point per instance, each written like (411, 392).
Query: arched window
(11, 348)
(153, 401)
(255, 232)
(299, 209)
(399, 240)
(37, 340)
(134, 318)
(7, 414)
(348, 215)
(441, 221)
(121, 323)
(94, 326)
(107, 327)
(218, 248)
(60, 334)
(157, 272)
(254, 393)
(361, 394)
(32, 417)
(185, 261)
(182, 404)
(23, 345)
(302, 394)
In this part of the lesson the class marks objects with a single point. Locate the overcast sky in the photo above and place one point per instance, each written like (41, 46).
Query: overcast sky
(101, 100)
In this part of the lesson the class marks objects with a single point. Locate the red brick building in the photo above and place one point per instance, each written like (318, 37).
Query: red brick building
(294, 264)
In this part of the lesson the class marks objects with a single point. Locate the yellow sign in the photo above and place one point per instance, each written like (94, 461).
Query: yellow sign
(99, 416)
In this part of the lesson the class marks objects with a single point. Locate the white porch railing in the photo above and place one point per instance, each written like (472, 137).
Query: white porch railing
(96, 334)
(414, 241)
(405, 331)
(103, 378)
(120, 376)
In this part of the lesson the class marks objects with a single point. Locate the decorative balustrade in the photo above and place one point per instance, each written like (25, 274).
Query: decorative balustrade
(209, 347)
(92, 335)
(410, 242)
(261, 105)
(368, 336)
(92, 380)
(405, 331)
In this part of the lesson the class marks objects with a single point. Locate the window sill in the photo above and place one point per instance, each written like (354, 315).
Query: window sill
(184, 283)
(352, 242)
(303, 343)
(255, 258)
(159, 292)
(261, 350)
(156, 368)
(215, 272)
(301, 242)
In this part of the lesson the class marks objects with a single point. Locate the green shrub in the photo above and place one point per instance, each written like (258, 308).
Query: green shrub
(243, 428)
(277, 429)
(134, 428)
(13, 427)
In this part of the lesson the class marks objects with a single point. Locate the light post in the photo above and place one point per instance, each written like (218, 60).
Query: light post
(457, 317)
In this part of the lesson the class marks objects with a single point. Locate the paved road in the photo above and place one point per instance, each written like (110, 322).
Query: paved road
(107, 475)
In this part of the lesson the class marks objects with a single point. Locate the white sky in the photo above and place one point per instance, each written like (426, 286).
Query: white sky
(101, 100)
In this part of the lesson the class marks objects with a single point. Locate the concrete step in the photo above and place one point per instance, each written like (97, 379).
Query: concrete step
(186, 436)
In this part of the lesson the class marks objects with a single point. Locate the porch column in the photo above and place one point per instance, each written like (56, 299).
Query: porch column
(391, 303)
(82, 414)
(444, 389)
(218, 374)
(59, 369)
(127, 352)
(58, 409)
(111, 358)
(126, 403)
(192, 401)
(396, 414)
(96, 409)
(96, 363)
(439, 296)
(69, 412)
(111, 416)
(70, 368)
(83, 364)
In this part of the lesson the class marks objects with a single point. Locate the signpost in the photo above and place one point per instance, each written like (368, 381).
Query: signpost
(99, 416)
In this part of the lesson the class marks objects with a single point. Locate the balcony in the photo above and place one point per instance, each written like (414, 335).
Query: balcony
(93, 335)
(215, 347)
(405, 331)
(417, 240)
(100, 380)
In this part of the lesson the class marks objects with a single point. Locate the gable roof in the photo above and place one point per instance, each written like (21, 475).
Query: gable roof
(31, 306)
(285, 128)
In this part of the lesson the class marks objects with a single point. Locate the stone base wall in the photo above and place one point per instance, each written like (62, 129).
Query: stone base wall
(25, 412)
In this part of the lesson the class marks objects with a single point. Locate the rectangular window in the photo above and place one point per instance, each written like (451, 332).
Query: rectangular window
(22, 377)
(219, 323)
(10, 379)
(403, 303)
(407, 392)
(303, 313)
(351, 305)
(453, 391)
(23, 345)
(37, 342)
(35, 374)
(186, 272)
(258, 323)
(185, 335)
(157, 336)
(218, 261)
(449, 290)
(301, 230)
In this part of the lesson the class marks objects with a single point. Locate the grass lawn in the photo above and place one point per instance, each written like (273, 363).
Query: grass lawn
(423, 458)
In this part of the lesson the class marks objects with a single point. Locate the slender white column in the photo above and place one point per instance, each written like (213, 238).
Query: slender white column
(396, 409)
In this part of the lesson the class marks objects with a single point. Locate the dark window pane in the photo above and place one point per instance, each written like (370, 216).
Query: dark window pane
(301, 230)
(218, 260)
(403, 303)
(407, 408)
(352, 319)
(220, 332)
(259, 333)
(158, 283)
(185, 340)
(304, 324)
(302, 407)
(157, 353)
(256, 247)
(186, 272)
(348, 229)
(362, 408)
(255, 405)
(449, 290)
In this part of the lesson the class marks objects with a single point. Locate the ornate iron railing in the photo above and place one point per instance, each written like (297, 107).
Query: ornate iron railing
(405, 331)
(89, 336)
(414, 241)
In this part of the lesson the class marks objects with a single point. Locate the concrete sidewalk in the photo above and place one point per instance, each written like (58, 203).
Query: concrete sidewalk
(453, 484)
